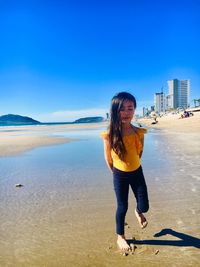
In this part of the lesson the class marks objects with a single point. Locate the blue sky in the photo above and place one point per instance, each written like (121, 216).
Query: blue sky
(61, 60)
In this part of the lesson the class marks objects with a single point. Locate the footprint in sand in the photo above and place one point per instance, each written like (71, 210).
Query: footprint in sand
(193, 189)
(196, 177)
(193, 211)
(179, 222)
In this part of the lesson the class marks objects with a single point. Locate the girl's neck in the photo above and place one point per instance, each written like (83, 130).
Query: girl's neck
(127, 129)
(126, 126)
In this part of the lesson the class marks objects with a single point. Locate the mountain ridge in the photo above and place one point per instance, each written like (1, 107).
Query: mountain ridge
(14, 120)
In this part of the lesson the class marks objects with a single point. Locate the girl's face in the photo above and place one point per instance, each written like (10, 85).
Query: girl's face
(127, 111)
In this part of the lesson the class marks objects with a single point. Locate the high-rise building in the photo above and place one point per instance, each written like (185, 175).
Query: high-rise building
(178, 96)
(159, 102)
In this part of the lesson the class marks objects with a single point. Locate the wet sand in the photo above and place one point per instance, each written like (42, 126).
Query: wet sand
(15, 140)
(47, 227)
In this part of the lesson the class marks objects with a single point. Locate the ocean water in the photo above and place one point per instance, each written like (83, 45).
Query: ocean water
(79, 163)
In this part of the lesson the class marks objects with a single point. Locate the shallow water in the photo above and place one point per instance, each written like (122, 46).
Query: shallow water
(67, 201)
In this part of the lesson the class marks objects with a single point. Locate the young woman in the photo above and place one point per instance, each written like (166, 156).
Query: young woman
(123, 146)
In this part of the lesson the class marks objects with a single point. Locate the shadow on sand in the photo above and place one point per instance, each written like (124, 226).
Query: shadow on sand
(185, 240)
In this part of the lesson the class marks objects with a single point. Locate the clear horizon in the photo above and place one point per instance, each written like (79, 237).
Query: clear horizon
(61, 61)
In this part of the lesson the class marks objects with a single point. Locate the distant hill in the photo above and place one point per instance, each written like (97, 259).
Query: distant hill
(89, 120)
(13, 120)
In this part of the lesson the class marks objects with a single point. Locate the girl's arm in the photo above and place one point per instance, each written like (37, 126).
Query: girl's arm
(141, 137)
(107, 154)
(142, 142)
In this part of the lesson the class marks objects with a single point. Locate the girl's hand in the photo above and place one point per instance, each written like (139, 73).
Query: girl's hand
(107, 154)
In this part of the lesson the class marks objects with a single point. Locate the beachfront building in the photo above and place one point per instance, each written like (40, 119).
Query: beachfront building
(145, 112)
(152, 108)
(169, 102)
(159, 102)
(178, 96)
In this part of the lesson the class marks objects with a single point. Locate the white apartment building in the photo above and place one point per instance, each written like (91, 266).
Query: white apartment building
(159, 102)
(178, 96)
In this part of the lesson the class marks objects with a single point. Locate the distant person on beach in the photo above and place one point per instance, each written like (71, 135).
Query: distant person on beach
(123, 147)
(186, 114)
(155, 120)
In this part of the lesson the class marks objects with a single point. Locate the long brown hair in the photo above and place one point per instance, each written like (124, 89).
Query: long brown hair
(115, 127)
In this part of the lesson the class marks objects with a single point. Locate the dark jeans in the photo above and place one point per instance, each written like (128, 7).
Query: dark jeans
(121, 181)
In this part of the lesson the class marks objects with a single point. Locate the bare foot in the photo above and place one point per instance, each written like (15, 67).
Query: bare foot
(141, 219)
(122, 244)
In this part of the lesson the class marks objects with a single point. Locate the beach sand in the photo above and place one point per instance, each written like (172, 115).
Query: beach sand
(173, 123)
(80, 231)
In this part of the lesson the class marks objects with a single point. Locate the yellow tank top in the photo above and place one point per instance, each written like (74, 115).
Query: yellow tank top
(133, 147)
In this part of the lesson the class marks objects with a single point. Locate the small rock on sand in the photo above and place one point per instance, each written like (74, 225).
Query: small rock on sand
(18, 185)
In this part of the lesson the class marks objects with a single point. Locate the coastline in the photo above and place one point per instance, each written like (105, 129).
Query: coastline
(18, 139)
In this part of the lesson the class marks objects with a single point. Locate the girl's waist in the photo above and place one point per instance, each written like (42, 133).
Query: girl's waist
(127, 166)
(123, 173)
